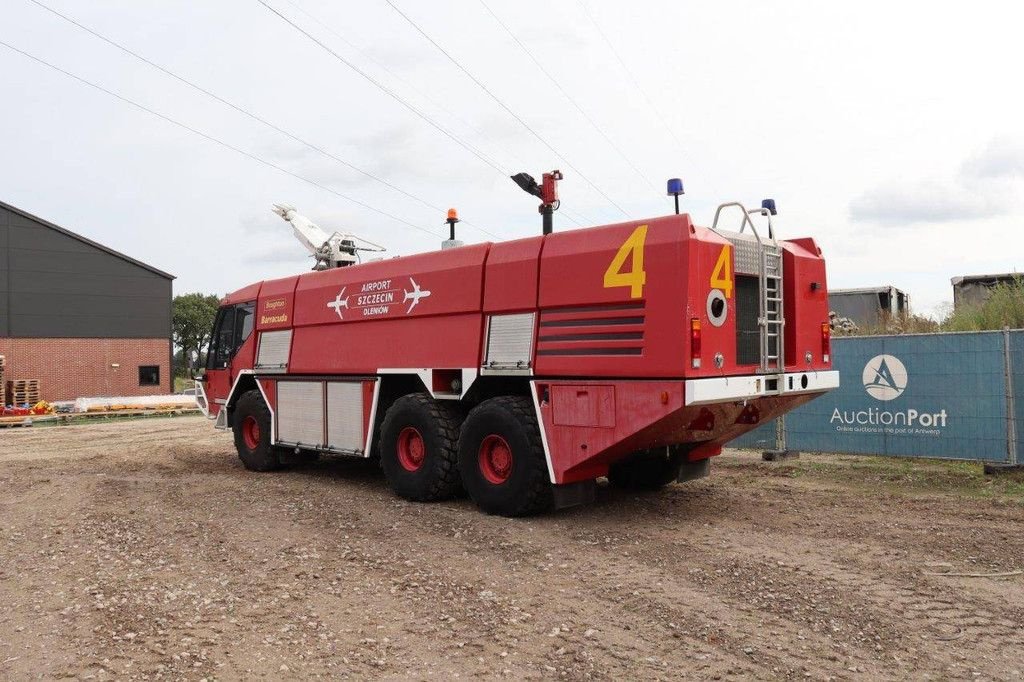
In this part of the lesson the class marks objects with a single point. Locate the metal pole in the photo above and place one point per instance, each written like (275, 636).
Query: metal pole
(780, 433)
(1011, 411)
(546, 212)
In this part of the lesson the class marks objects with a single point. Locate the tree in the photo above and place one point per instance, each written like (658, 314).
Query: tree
(192, 321)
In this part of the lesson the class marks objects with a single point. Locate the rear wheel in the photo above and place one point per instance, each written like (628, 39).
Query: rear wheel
(501, 458)
(419, 448)
(647, 470)
(252, 433)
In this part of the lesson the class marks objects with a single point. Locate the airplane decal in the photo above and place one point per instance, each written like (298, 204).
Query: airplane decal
(415, 295)
(339, 302)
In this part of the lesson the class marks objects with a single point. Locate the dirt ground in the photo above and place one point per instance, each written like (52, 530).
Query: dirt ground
(142, 550)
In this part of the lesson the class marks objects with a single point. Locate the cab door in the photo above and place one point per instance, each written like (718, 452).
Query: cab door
(231, 328)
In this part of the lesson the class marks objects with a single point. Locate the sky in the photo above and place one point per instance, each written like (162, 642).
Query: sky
(890, 132)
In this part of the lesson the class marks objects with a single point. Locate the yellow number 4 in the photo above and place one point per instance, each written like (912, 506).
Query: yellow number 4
(721, 276)
(635, 277)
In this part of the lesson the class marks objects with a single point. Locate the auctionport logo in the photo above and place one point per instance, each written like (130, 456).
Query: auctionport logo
(885, 377)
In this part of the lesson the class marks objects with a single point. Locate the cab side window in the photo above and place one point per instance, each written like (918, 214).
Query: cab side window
(232, 327)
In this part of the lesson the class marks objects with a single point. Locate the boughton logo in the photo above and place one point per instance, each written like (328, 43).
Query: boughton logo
(885, 377)
(274, 304)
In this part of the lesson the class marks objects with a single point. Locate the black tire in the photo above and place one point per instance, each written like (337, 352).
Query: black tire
(252, 433)
(521, 488)
(434, 424)
(647, 470)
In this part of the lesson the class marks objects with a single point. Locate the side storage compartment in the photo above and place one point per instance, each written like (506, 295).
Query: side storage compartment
(333, 416)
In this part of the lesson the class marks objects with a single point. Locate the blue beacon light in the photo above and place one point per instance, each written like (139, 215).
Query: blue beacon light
(675, 188)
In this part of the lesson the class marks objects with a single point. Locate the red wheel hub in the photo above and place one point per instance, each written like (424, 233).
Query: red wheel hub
(251, 432)
(411, 449)
(495, 459)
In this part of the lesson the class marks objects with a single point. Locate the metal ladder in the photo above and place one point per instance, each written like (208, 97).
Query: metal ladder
(771, 318)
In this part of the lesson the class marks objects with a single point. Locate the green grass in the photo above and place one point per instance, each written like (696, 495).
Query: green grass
(907, 476)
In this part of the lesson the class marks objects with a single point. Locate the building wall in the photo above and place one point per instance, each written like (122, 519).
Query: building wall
(75, 368)
(57, 284)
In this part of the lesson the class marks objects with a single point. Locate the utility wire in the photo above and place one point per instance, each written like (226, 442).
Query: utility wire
(632, 78)
(222, 143)
(569, 97)
(383, 67)
(465, 145)
(246, 112)
(504, 106)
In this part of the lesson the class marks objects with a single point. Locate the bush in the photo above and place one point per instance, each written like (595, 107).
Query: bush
(1004, 307)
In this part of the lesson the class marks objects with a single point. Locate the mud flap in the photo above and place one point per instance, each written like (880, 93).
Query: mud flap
(690, 471)
(573, 494)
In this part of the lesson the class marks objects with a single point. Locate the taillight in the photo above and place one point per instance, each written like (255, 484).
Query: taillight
(826, 341)
(695, 343)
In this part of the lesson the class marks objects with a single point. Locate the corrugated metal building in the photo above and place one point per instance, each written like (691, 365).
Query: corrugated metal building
(81, 318)
(871, 306)
(975, 289)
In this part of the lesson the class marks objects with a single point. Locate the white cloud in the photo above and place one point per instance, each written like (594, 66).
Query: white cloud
(1003, 158)
(924, 202)
(982, 188)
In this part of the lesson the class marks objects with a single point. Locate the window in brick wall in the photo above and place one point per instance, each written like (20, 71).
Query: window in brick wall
(149, 375)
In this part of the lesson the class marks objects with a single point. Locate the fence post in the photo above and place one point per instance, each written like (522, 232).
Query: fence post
(780, 452)
(1011, 410)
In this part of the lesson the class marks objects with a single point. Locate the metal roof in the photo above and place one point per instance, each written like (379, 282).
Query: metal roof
(866, 290)
(85, 240)
(967, 279)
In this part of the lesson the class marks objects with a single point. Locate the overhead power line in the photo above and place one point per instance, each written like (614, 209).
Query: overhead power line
(569, 97)
(465, 145)
(246, 112)
(217, 141)
(567, 214)
(632, 78)
(384, 67)
(504, 106)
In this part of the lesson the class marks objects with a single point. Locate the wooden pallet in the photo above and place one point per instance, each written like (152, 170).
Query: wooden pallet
(23, 391)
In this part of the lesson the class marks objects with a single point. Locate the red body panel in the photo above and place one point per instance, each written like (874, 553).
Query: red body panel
(806, 302)
(511, 281)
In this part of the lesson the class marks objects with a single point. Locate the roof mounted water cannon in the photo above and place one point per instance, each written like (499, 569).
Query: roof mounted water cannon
(547, 191)
(334, 250)
(675, 188)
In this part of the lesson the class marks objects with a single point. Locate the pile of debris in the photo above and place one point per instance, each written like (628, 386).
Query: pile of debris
(841, 325)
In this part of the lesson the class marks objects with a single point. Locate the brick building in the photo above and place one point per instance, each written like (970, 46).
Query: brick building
(81, 318)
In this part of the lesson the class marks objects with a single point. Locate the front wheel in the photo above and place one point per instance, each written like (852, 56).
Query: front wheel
(252, 433)
(501, 458)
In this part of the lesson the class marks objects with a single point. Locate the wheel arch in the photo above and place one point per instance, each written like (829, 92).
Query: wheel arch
(244, 382)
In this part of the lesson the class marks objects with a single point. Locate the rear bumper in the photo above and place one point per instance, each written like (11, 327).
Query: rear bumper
(587, 425)
(722, 389)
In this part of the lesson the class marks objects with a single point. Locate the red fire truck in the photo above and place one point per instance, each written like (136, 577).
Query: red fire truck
(522, 371)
